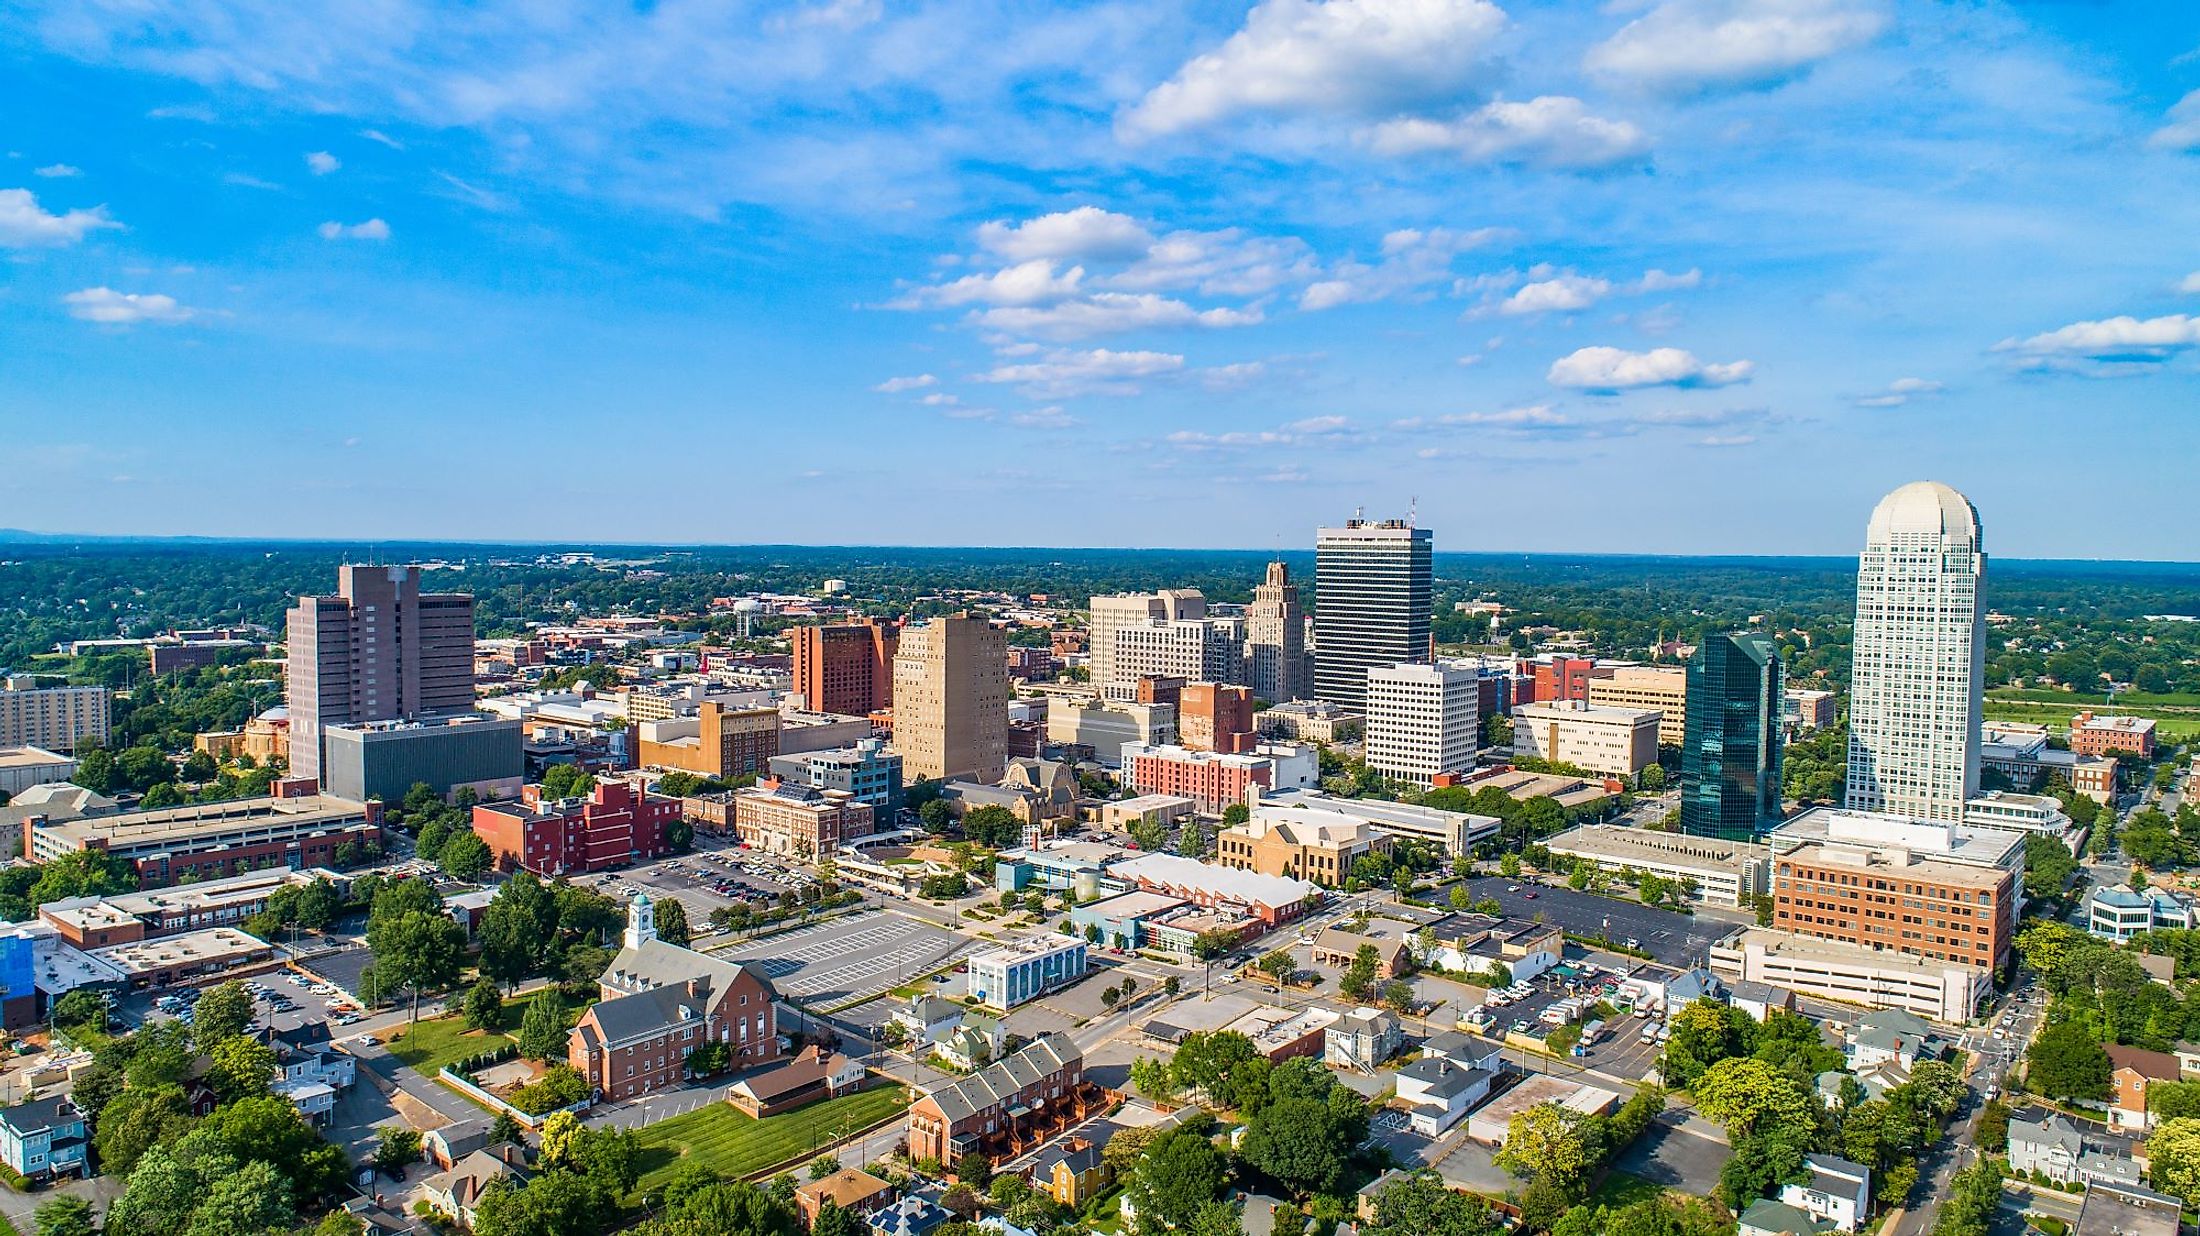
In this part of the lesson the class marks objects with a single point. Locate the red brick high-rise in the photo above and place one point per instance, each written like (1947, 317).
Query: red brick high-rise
(847, 668)
(1211, 716)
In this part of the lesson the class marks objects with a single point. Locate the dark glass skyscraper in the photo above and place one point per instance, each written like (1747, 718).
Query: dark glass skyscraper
(1371, 604)
(1730, 758)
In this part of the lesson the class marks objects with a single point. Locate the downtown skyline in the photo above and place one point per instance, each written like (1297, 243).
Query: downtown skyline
(1121, 274)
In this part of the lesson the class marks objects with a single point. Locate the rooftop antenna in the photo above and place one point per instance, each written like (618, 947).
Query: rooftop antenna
(1413, 510)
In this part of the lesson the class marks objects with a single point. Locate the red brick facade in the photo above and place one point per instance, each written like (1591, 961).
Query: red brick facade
(616, 824)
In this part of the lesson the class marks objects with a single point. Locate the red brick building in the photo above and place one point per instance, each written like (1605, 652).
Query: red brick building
(1211, 779)
(1565, 678)
(615, 824)
(1213, 717)
(2091, 735)
(846, 669)
(660, 1002)
(1006, 1108)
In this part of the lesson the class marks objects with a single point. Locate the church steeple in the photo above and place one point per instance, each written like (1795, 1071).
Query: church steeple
(641, 920)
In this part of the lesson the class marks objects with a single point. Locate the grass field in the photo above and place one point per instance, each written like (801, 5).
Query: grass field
(2168, 726)
(1620, 1189)
(731, 1144)
(440, 1041)
(2072, 702)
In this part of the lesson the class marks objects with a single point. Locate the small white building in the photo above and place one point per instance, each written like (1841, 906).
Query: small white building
(928, 1019)
(1438, 1093)
(1838, 1191)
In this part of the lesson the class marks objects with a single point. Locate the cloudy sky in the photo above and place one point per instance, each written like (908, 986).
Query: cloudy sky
(1642, 275)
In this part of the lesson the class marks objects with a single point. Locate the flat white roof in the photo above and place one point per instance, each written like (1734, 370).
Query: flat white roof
(1173, 871)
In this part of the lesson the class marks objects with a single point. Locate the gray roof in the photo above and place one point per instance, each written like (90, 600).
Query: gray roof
(2054, 1130)
(1894, 1021)
(40, 1114)
(1443, 1079)
(660, 964)
(995, 1084)
(1836, 1175)
(646, 1012)
(1453, 1043)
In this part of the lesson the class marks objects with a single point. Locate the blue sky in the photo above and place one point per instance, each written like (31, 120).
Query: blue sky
(1647, 275)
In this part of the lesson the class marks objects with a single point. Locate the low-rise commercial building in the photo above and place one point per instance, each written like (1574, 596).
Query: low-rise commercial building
(1806, 709)
(170, 960)
(1480, 943)
(1287, 1034)
(1618, 742)
(124, 918)
(1310, 721)
(2095, 777)
(385, 759)
(1454, 832)
(1939, 990)
(1713, 871)
(2120, 912)
(798, 820)
(208, 840)
(868, 771)
(1273, 900)
(616, 824)
(1004, 978)
(2023, 813)
(23, 767)
(1164, 809)
(1302, 843)
(1492, 1124)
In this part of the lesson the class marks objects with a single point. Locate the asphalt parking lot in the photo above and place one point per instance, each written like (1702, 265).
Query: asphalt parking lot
(1679, 1151)
(847, 958)
(1672, 938)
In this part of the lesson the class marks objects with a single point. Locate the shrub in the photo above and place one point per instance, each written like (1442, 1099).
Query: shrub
(560, 1086)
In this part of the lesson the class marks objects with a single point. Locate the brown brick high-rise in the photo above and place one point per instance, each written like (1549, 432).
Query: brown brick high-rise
(846, 668)
(379, 650)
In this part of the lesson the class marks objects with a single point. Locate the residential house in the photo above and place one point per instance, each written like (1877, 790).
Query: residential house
(912, 1215)
(314, 1073)
(1759, 999)
(1766, 1217)
(928, 1019)
(1665, 987)
(43, 1139)
(1071, 1172)
(812, 1074)
(1007, 1107)
(851, 1189)
(1468, 1051)
(661, 1001)
(458, 1191)
(1439, 1093)
(1892, 1034)
(1362, 1039)
(975, 1043)
(2050, 1145)
(2161, 969)
(447, 1145)
(1262, 1215)
(1838, 1191)
(2130, 1071)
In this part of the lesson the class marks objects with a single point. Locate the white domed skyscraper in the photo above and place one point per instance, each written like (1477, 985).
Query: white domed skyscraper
(1919, 656)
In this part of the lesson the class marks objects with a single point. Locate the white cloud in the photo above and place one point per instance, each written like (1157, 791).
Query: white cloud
(832, 14)
(941, 399)
(1536, 416)
(372, 229)
(1088, 233)
(1613, 369)
(1683, 46)
(2191, 283)
(321, 162)
(23, 225)
(111, 308)
(1551, 131)
(1026, 283)
(2183, 130)
(58, 171)
(894, 386)
(1220, 263)
(1899, 392)
(1726, 439)
(1049, 417)
(1064, 372)
(1233, 376)
(1412, 259)
(1108, 313)
(1313, 56)
(248, 182)
(2113, 339)
(377, 135)
(1660, 281)
(1561, 295)
(1319, 425)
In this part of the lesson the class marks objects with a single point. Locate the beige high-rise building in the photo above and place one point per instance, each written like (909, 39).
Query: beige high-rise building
(1113, 613)
(54, 718)
(1663, 687)
(951, 700)
(379, 650)
(1275, 639)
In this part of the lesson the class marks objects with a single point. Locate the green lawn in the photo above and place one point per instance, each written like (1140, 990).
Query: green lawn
(2125, 700)
(2169, 726)
(439, 1041)
(1621, 1189)
(731, 1144)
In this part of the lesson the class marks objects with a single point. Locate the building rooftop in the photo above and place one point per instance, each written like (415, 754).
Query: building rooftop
(1173, 872)
(131, 828)
(1626, 845)
(1895, 835)
(30, 757)
(1583, 710)
(192, 948)
(1135, 905)
(1020, 950)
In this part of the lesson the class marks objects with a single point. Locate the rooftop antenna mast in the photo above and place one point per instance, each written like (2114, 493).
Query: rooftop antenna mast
(1413, 511)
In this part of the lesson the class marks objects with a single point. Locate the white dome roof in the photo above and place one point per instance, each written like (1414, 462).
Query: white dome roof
(1924, 508)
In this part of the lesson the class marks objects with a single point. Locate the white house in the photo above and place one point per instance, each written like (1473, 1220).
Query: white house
(314, 1073)
(1440, 1093)
(1838, 1191)
(1884, 1035)
(928, 1019)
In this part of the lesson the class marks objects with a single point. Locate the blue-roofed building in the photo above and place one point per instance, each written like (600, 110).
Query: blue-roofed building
(2121, 912)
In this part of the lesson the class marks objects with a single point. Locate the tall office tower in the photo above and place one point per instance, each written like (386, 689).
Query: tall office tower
(1371, 604)
(847, 668)
(1919, 656)
(1275, 639)
(1422, 720)
(1730, 753)
(951, 700)
(379, 650)
(1112, 613)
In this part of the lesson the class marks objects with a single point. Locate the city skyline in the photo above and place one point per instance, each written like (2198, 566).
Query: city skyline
(319, 279)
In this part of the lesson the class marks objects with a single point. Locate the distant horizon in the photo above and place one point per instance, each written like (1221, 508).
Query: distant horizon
(33, 538)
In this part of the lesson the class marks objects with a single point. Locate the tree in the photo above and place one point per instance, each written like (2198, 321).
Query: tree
(398, 1147)
(485, 1006)
(83, 873)
(158, 1200)
(1509, 866)
(975, 1170)
(1179, 1175)
(415, 950)
(542, 1028)
(1296, 1143)
(254, 1200)
(428, 843)
(1992, 1130)
(1109, 996)
(2068, 1062)
(831, 1220)
(822, 1166)
(1358, 982)
(565, 781)
(137, 1120)
(1745, 1095)
(241, 1067)
(1279, 964)
(2174, 1147)
(1223, 1064)
(1236, 814)
(1421, 1205)
(1761, 1163)
(672, 921)
(1704, 1033)
(221, 1011)
(64, 1216)
(464, 857)
(1397, 996)
(1549, 1144)
(79, 1009)
(269, 1128)
(506, 1128)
